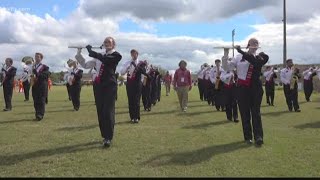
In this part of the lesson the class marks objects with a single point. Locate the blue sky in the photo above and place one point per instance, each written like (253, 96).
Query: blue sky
(217, 30)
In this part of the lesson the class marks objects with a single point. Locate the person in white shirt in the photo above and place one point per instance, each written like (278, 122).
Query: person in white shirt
(250, 91)
(217, 84)
(270, 75)
(27, 70)
(75, 84)
(105, 85)
(308, 82)
(289, 77)
(134, 70)
(229, 95)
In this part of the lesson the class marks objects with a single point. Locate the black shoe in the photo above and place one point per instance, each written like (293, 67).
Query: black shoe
(298, 110)
(249, 141)
(106, 143)
(259, 142)
(26, 100)
(76, 109)
(132, 120)
(39, 118)
(6, 109)
(290, 110)
(229, 119)
(149, 109)
(136, 121)
(236, 121)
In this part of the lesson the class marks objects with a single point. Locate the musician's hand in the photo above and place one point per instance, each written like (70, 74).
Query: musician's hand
(3, 70)
(72, 73)
(237, 47)
(89, 48)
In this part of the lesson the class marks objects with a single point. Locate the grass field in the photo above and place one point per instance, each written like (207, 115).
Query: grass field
(166, 142)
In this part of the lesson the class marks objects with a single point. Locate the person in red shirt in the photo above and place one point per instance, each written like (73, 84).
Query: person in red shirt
(182, 84)
(20, 86)
(49, 84)
(167, 81)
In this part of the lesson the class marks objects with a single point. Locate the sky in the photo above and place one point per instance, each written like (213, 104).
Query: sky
(163, 31)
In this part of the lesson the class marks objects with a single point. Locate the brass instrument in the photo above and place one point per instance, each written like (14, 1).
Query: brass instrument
(29, 60)
(294, 78)
(70, 78)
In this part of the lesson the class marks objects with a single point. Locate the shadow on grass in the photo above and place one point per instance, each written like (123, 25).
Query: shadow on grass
(206, 125)
(16, 121)
(123, 122)
(198, 113)
(309, 125)
(200, 105)
(77, 128)
(6, 160)
(196, 156)
(277, 113)
(159, 113)
(53, 111)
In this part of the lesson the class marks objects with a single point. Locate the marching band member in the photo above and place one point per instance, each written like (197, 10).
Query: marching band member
(289, 77)
(217, 85)
(209, 86)
(158, 80)
(229, 95)
(66, 79)
(200, 75)
(250, 89)
(167, 81)
(40, 86)
(105, 85)
(27, 70)
(206, 83)
(9, 72)
(75, 84)
(146, 89)
(182, 84)
(270, 75)
(134, 68)
(308, 82)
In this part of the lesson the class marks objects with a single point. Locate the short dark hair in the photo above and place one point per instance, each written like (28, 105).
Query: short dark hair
(40, 54)
(182, 61)
(10, 60)
(288, 60)
(134, 51)
(217, 60)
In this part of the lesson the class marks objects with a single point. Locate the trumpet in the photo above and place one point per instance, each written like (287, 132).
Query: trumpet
(294, 78)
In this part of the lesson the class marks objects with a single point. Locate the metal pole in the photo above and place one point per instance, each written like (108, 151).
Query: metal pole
(284, 33)
(233, 33)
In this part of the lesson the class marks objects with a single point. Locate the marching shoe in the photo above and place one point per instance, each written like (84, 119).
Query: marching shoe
(259, 142)
(236, 120)
(298, 110)
(249, 141)
(6, 109)
(106, 143)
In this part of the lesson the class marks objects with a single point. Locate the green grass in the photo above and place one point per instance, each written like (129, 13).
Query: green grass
(166, 142)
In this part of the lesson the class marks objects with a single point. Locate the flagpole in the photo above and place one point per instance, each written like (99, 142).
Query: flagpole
(233, 33)
(284, 33)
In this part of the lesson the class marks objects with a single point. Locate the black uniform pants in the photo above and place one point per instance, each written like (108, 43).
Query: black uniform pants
(308, 89)
(105, 98)
(201, 88)
(230, 101)
(68, 90)
(291, 96)
(75, 95)
(218, 98)
(154, 90)
(146, 97)
(269, 93)
(249, 99)
(26, 89)
(7, 93)
(134, 90)
(39, 95)
(210, 93)
(159, 92)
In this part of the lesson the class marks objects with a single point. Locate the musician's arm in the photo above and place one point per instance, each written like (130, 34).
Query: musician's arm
(85, 64)
(125, 68)
(44, 74)
(11, 73)
(106, 59)
(283, 77)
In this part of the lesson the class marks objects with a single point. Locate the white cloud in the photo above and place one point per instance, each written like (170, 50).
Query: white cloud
(24, 34)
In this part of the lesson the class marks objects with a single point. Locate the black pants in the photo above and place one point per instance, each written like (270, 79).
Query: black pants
(291, 96)
(7, 93)
(159, 92)
(154, 92)
(201, 88)
(249, 99)
(105, 98)
(39, 95)
(308, 89)
(210, 93)
(68, 89)
(218, 99)
(26, 89)
(134, 90)
(75, 91)
(146, 97)
(206, 87)
(230, 102)
(269, 93)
